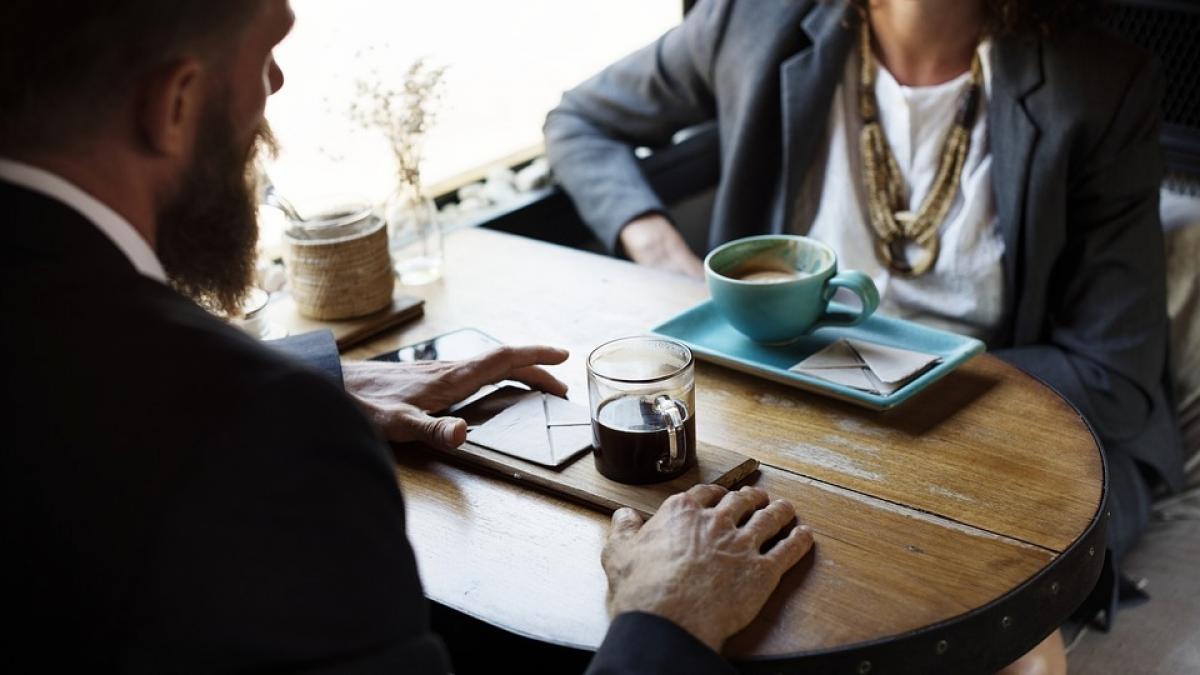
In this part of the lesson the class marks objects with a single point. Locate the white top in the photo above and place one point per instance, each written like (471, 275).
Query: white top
(964, 292)
(104, 218)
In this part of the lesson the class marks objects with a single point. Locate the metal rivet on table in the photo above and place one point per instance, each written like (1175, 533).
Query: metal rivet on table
(942, 646)
(1054, 588)
(864, 668)
(1006, 622)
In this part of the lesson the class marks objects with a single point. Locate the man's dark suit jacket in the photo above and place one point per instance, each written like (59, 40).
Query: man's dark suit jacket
(178, 498)
(1073, 124)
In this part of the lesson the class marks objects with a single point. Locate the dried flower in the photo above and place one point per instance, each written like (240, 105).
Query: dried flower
(403, 115)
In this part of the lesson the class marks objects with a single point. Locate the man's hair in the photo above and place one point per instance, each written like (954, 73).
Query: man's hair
(66, 66)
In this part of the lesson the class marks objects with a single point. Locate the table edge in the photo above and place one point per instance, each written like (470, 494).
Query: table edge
(1059, 588)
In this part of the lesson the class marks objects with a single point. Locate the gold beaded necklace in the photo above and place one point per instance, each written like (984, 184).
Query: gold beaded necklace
(896, 227)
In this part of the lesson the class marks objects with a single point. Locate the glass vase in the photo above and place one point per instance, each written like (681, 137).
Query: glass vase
(415, 235)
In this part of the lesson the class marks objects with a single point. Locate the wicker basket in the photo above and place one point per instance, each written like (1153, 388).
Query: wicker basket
(340, 278)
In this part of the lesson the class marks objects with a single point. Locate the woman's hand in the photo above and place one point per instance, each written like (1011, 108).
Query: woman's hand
(653, 241)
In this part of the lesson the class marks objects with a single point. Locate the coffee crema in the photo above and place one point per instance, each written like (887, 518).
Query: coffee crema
(762, 274)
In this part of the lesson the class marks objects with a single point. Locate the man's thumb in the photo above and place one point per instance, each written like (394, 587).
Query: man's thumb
(625, 521)
(441, 432)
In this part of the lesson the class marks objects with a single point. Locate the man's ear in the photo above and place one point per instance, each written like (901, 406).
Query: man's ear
(171, 105)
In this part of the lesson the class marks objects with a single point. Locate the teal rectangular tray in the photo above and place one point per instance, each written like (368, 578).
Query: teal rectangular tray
(712, 339)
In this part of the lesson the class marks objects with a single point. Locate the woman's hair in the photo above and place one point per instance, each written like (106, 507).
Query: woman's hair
(1029, 17)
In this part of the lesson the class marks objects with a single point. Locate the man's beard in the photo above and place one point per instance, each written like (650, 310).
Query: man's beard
(208, 229)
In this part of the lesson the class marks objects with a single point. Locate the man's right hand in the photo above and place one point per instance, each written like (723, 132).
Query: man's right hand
(653, 241)
(401, 397)
(699, 561)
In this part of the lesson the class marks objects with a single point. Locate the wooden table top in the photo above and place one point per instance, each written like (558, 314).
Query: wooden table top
(922, 516)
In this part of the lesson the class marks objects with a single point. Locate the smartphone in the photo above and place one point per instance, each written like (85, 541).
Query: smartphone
(463, 343)
(453, 346)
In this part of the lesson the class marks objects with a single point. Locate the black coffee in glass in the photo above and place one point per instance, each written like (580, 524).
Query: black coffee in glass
(633, 438)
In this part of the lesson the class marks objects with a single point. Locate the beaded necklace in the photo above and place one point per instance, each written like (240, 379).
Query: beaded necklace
(896, 227)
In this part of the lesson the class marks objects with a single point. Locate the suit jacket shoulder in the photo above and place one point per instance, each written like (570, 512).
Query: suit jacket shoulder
(199, 502)
(1092, 77)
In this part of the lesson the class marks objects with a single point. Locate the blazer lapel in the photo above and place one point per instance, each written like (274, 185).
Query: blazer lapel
(1016, 74)
(807, 82)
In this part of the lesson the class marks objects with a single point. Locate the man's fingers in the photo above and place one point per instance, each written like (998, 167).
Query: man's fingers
(738, 505)
(540, 379)
(500, 363)
(767, 522)
(791, 549)
(514, 358)
(707, 494)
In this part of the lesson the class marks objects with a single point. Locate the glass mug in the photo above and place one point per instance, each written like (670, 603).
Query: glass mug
(642, 394)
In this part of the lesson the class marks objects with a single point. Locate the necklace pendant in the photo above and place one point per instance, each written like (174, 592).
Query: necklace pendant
(894, 254)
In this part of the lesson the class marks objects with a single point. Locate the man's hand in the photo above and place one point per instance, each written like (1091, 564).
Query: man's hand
(653, 241)
(693, 564)
(399, 397)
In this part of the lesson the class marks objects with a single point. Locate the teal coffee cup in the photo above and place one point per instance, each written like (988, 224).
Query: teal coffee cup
(776, 287)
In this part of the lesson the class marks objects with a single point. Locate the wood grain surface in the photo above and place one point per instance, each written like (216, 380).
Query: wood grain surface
(580, 481)
(920, 514)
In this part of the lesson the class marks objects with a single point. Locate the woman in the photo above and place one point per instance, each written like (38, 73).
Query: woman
(993, 164)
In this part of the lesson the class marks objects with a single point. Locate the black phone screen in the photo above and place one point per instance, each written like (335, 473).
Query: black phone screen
(453, 346)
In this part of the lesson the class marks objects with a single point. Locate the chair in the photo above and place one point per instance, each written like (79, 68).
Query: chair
(1160, 636)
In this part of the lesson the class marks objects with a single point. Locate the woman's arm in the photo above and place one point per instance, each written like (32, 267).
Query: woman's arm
(640, 100)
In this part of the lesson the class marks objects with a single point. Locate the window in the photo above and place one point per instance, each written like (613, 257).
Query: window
(507, 65)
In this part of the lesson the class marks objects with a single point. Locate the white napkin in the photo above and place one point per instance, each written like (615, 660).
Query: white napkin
(868, 366)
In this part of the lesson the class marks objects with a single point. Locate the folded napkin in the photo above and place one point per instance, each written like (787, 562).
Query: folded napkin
(531, 425)
(871, 367)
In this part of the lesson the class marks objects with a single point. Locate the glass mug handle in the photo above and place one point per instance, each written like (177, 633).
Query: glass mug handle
(677, 439)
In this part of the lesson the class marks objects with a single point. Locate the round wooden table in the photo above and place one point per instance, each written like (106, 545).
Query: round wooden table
(952, 533)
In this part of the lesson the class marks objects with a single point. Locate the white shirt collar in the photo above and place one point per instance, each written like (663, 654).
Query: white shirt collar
(116, 228)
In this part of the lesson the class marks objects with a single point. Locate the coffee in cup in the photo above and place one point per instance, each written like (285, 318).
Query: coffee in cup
(765, 272)
(643, 405)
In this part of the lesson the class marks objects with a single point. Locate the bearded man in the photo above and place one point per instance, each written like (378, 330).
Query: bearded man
(179, 498)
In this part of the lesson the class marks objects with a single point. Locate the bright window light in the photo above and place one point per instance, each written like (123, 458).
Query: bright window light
(507, 65)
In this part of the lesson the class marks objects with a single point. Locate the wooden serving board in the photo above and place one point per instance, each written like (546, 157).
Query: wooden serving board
(580, 481)
(347, 332)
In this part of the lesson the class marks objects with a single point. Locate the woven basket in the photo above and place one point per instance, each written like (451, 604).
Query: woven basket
(340, 278)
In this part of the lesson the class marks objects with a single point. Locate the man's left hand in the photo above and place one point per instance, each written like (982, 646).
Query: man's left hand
(400, 397)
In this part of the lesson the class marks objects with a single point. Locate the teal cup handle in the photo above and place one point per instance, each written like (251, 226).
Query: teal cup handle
(858, 283)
